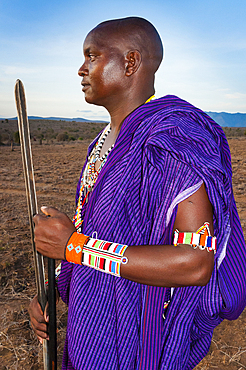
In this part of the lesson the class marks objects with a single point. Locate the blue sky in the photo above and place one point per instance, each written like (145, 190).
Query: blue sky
(41, 44)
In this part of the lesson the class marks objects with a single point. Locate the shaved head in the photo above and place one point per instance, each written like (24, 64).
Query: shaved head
(136, 34)
(121, 58)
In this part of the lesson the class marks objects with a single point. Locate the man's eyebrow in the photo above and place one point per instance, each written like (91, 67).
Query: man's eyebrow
(87, 50)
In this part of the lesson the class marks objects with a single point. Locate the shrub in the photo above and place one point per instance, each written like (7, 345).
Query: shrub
(17, 137)
(62, 136)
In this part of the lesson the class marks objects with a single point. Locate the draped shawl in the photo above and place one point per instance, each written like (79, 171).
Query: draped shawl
(165, 150)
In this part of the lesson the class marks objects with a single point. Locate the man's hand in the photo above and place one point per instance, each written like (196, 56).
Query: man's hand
(52, 232)
(38, 319)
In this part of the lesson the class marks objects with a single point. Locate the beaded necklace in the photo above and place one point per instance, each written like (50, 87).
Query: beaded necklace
(90, 175)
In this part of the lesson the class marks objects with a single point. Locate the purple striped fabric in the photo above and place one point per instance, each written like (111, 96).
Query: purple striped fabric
(164, 151)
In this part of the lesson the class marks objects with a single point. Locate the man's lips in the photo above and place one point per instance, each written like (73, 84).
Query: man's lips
(85, 86)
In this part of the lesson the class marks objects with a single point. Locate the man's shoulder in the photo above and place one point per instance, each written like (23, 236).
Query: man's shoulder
(172, 104)
(171, 111)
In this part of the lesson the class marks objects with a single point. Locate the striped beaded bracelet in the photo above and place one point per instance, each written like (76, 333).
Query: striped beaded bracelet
(201, 238)
(98, 254)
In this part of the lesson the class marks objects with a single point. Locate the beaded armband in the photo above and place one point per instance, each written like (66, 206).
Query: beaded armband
(201, 238)
(98, 254)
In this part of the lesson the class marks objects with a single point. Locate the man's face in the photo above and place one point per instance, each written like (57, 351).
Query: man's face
(103, 72)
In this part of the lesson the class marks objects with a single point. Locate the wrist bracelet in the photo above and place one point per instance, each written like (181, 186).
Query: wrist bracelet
(74, 247)
(98, 254)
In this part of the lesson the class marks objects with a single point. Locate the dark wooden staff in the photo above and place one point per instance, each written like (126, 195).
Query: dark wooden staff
(49, 347)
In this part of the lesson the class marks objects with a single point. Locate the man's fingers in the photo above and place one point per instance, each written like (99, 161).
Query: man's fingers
(36, 218)
(40, 339)
(41, 335)
(39, 328)
(37, 319)
(46, 310)
(50, 211)
(35, 309)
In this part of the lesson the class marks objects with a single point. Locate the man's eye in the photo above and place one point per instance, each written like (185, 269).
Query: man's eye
(91, 56)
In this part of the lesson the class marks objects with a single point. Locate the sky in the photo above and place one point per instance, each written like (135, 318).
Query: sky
(41, 44)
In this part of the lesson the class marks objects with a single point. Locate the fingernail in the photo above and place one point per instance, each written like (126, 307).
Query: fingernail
(40, 340)
(44, 207)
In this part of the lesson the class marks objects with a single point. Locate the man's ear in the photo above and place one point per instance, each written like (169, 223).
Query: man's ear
(133, 61)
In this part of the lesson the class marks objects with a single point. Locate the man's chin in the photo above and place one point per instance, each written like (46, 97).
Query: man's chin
(90, 100)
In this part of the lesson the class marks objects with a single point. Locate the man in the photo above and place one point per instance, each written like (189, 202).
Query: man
(161, 165)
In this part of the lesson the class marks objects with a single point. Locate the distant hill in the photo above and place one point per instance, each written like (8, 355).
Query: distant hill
(78, 119)
(223, 119)
(229, 119)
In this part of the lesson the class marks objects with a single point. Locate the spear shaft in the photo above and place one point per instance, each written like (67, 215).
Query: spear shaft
(49, 354)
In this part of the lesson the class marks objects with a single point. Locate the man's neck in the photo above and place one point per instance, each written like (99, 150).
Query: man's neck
(124, 108)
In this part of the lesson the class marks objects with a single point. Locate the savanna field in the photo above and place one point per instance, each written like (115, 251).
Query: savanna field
(57, 164)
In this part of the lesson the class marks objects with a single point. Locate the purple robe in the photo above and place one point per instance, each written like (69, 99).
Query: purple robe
(165, 150)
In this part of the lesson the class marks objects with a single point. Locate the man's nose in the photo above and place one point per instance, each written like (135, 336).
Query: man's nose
(82, 71)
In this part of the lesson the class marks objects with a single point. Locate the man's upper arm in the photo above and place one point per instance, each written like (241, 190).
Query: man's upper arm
(191, 215)
(194, 211)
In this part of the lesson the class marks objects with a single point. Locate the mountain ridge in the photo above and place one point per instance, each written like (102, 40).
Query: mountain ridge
(228, 119)
(78, 119)
(224, 119)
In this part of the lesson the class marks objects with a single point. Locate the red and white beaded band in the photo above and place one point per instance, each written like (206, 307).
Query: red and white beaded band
(201, 238)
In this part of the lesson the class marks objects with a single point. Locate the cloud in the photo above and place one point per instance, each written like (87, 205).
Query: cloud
(236, 95)
(97, 113)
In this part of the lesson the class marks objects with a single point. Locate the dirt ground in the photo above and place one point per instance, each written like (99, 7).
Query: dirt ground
(57, 169)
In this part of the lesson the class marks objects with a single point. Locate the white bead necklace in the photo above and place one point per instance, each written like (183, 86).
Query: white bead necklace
(90, 175)
(100, 143)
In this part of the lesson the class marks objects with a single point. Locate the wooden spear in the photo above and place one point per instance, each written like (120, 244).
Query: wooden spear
(49, 348)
